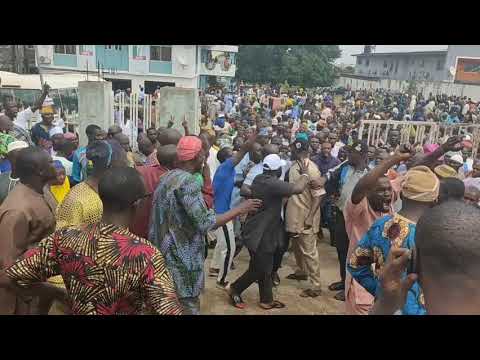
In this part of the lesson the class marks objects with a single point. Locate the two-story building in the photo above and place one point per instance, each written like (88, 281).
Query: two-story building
(418, 65)
(149, 66)
(18, 58)
(450, 65)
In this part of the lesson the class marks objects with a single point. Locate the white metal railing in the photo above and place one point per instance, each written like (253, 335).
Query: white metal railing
(425, 132)
(130, 113)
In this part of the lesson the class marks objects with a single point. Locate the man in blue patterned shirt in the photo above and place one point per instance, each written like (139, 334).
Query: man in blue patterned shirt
(419, 192)
(180, 220)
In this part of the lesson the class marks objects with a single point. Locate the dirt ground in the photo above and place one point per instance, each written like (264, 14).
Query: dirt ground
(215, 301)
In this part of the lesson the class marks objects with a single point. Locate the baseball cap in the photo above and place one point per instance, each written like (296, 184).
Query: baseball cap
(273, 162)
(301, 144)
(357, 146)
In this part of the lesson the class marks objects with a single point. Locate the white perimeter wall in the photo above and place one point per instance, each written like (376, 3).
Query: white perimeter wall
(425, 87)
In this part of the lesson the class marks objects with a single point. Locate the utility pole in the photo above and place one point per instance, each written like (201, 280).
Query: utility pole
(26, 67)
(14, 58)
(37, 59)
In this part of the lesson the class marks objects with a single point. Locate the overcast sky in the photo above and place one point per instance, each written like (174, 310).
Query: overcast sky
(349, 50)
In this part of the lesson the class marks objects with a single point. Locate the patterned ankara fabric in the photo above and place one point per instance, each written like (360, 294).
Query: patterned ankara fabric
(179, 222)
(5, 139)
(107, 271)
(374, 247)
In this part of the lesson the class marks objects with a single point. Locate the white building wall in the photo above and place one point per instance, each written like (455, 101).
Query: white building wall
(186, 65)
(183, 60)
(424, 87)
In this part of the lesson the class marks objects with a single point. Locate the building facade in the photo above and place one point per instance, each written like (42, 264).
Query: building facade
(149, 66)
(440, 65)
(19, 59)
(428, 65)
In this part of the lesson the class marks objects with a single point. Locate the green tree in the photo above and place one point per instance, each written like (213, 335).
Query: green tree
(299, 65)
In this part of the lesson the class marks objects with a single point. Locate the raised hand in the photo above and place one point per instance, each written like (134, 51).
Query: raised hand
(394, 286)
(454, 143)
(302, 166)
(404, 152)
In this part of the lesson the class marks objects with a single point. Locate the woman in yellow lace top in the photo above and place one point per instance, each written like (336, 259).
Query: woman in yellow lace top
(82, 205)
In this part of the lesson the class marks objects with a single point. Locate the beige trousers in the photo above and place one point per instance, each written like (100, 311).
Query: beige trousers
(307, 259)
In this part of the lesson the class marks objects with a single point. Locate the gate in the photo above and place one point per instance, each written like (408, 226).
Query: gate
(131, 114)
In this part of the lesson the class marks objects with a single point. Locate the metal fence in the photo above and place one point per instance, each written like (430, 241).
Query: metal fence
(377, 131)
(132, 113)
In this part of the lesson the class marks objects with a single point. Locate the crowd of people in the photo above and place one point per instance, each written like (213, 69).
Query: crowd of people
(120, 228)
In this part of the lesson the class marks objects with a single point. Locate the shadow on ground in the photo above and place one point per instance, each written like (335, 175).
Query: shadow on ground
(215, 301)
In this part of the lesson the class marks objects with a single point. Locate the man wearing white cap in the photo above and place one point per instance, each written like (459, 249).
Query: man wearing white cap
(262, 233)
(8, 179)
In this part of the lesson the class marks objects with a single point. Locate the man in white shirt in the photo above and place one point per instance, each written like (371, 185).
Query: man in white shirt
(21, 119)
(336, 145)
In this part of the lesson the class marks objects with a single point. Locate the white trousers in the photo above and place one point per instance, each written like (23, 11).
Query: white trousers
(224, 250)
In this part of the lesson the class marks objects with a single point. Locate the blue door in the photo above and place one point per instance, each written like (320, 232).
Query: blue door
(112, 57)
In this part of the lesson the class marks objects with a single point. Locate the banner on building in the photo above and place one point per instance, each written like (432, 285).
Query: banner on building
(468, 71)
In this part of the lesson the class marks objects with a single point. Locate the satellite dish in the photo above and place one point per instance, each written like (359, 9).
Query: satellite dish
(452, 70)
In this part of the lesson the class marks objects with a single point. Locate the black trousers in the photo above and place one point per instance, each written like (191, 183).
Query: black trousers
(281, 250)
(341, 242)
(259, 268)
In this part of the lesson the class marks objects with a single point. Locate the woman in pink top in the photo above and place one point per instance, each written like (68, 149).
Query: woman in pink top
(372, 198)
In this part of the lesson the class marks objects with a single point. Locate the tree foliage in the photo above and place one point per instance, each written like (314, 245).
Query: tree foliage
(299, 65)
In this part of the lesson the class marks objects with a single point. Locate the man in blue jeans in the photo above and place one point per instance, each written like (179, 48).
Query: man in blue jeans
(223, 184)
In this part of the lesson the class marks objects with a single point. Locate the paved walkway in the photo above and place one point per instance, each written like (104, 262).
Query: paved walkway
(215, 301)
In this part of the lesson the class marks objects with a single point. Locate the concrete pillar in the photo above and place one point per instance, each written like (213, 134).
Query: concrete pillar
(95, 106)
(178, 102)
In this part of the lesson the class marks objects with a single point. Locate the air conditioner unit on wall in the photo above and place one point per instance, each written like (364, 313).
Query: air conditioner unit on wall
(44, 60)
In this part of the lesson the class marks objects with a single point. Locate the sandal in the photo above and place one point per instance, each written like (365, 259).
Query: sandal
(337, 286)
(311, 293)
(274, 305)
(297, 277)
(340, 296)
(237, 301)
(213, 272)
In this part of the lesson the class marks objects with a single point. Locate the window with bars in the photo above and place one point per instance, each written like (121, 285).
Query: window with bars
(440, 64)
(204, 56)
(160, 53)
(113, 47)
(65, 49)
